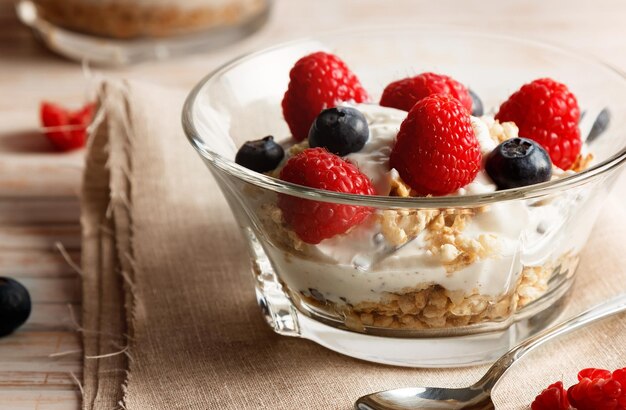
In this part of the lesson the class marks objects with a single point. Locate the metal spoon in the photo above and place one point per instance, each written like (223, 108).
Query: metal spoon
(478, 396)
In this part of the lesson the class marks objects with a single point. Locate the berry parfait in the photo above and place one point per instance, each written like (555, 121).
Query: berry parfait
(428, 219)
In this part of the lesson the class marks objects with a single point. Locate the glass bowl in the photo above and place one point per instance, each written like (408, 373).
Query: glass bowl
(515, 251)
(120, 32)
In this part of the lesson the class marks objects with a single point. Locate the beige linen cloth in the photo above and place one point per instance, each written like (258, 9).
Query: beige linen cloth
(169, 308)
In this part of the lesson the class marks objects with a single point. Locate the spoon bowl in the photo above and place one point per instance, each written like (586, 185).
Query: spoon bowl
(427, 398)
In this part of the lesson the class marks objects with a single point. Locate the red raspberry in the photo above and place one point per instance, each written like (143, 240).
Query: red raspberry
(314, 221)
(436, 150)
(68, 129)
(403, 94)
(318, 81)
(599, 389)
(552, 398)
(547, 112)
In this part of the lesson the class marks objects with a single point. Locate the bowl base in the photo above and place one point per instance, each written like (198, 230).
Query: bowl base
(431, 352)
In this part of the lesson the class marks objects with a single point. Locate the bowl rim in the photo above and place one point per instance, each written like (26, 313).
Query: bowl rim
(267, 182)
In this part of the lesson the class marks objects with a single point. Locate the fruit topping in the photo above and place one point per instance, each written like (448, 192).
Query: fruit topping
(518, 162)
(552, 398)
(314, 221)
(341, 130)
(477, 104)
(436, 150)
(404, 94)
(599, 389)
(14, 305)
(67, 129)
(316, 82)
(547, 112)
(260, 155)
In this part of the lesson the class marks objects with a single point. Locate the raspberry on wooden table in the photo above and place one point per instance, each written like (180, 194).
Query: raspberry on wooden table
(404, 94)
(316, 82)
(436, 150)
(68, 129)
(547, 112)
(314, 221)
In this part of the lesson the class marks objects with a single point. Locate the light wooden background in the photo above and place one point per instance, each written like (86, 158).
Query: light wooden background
(38, 189)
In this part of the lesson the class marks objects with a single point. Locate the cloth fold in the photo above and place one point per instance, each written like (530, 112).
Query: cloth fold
(169, 312)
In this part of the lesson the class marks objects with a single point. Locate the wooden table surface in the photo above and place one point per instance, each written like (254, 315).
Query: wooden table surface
(40, 365)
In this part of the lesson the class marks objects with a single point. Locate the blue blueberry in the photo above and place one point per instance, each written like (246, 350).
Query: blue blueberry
(15, 305)
(341, 130)
(260, 155)
(477, 104)
(518, 162)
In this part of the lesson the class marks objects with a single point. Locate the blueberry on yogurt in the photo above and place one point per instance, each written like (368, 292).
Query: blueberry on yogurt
(341, 130)
(260, 155)
(518, 162)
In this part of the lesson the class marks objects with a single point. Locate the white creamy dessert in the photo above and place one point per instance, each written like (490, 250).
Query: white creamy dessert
(484, 258)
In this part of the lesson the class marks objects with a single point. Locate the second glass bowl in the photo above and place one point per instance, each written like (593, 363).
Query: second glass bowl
(120, 32)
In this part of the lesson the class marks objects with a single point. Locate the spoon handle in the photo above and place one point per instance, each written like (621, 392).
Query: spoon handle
(601, 311)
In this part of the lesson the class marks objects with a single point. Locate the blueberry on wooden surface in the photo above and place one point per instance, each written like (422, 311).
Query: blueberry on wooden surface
(15, 305)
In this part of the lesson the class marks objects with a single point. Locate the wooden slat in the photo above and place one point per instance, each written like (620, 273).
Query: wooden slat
(38, 170)
(53, 290)
(38, 380)
(22, 211)
(23, 345)
(30, 399)
(33, 263)
(26, 363)
(52, 317)
(40, 237)
(40, 365)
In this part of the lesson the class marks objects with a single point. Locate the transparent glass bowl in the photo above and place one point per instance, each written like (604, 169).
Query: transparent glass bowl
(120, 32)
(515, 251)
